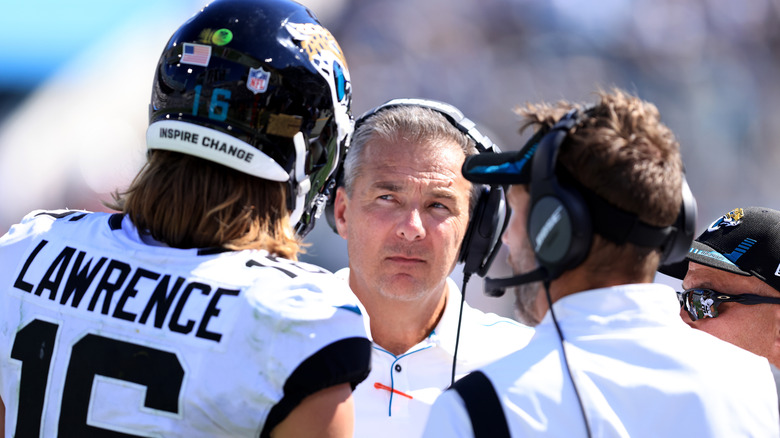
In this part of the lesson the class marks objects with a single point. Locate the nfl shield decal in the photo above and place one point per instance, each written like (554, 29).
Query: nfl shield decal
(258, 80)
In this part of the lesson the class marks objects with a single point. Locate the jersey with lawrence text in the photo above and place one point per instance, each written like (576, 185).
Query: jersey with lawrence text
(102, 332)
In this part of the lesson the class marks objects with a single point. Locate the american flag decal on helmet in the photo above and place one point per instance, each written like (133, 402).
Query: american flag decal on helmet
(196, 54)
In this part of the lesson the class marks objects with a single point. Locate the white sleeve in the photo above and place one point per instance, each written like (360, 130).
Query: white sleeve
(448, 418)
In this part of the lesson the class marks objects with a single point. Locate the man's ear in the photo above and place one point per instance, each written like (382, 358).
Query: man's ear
(774, 355)
(339, 209)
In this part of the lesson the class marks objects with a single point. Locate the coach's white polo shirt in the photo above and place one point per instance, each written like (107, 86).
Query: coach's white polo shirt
(395, 399)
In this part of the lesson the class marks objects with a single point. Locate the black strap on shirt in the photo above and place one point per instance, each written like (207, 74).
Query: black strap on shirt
(347, 360)
(483, 406)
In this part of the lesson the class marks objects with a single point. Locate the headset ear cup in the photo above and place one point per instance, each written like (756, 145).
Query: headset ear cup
(559, 223)
(685, 228)
(560, 232)
(483, 233)
(549, 232)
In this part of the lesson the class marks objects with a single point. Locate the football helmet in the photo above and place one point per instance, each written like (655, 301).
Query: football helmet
(259, 86)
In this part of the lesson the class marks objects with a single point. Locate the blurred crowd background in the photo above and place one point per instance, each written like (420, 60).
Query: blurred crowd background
(75, 81)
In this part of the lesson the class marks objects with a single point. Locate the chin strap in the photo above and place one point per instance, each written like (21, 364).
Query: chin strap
(300, 184)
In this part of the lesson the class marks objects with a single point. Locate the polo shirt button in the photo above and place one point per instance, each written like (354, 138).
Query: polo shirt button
(398, 368)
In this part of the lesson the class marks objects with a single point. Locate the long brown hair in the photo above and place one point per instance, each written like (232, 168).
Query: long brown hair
(187, 202)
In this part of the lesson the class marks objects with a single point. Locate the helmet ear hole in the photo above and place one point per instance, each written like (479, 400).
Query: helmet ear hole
(317, 157)
(238, 92)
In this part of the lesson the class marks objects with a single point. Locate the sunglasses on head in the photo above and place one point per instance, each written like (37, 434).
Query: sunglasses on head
(703, 303)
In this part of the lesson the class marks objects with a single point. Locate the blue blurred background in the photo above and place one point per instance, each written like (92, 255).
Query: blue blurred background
(75, 79)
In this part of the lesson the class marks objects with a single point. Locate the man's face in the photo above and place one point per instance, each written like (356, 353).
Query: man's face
(751, 327)
(528, 306)
(405, 220)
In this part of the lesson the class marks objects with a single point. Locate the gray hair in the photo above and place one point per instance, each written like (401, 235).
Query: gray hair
(412, 123)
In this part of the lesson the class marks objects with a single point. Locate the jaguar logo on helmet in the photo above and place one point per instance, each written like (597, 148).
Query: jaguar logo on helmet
(324, 53)
(731, 219)
(316, 41)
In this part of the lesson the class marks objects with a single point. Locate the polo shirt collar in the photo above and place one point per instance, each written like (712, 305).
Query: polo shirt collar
(654, 303)
(445, 332)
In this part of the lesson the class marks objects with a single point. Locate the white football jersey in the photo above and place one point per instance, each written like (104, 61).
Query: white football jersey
(102, 334)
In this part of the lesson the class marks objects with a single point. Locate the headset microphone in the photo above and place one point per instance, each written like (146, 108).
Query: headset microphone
(495, 287)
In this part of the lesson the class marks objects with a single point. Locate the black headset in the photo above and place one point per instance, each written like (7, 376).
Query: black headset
(489, 218)
(563, 214)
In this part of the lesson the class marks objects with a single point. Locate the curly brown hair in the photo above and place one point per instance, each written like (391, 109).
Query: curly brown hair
(624, 153)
